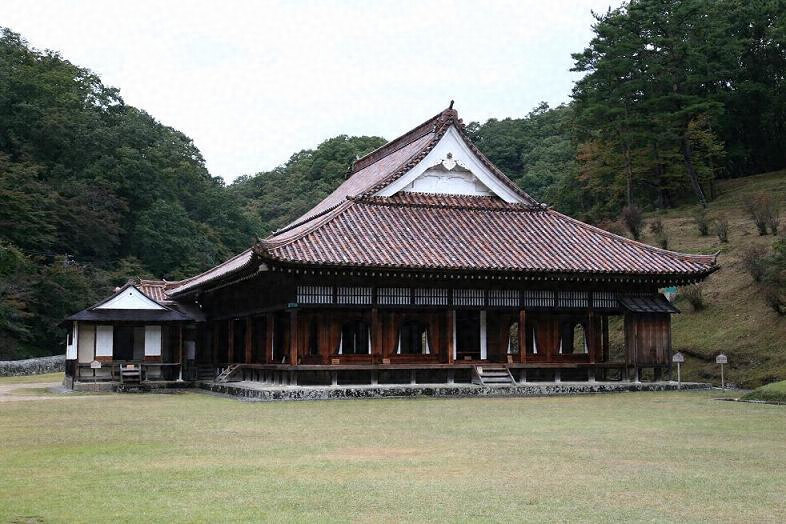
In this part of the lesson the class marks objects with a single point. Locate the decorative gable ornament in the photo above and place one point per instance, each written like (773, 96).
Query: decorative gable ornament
(449, 177)
(452, 168)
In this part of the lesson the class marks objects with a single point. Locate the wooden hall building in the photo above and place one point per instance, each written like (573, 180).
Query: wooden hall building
(426, 264)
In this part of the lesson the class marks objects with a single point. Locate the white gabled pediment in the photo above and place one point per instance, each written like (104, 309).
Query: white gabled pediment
(130, 298)
(451, 168)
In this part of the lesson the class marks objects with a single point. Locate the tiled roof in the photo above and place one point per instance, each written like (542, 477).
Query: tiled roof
(470, 233)
(648, 304)
(386, 164)
(232, 265)
(154, 289)
(353, 227)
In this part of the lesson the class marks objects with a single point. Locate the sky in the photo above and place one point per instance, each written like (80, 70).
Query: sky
(254, 82)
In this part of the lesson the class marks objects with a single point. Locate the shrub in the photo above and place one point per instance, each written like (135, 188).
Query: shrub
(754, 260)
(694, 294)
(633, 220)
(722, 228)
(775, 300)
(775, 278)
(761, 210)
(774, 220)
(656, 226)
(702, 222)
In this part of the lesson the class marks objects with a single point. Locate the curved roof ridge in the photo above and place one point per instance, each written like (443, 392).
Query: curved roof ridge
(214, 272)
(448, 201)
(325, 217)
(397, 143)
(445, 120)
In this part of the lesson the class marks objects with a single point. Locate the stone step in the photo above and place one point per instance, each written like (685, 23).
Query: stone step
(497, 380)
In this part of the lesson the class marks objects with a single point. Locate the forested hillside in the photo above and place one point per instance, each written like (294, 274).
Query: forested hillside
(674, 96)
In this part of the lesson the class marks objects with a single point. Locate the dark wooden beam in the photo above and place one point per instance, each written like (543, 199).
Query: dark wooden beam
(230, 341)
(376, 336)
(449, 335)
(247, 341)
(293, 337)
(270, 328)
(523, 336)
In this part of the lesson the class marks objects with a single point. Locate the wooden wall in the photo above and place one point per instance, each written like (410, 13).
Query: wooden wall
(647, 339)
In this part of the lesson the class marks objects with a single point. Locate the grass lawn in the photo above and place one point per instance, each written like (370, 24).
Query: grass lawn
(736, 321)
(32, 379)
(195, 457)
(775, 392)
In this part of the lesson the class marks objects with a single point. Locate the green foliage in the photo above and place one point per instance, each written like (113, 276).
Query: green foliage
(280, 196)
(774, 277)
(774, 392)
(85, 182)
(666, 86)
(537, 152)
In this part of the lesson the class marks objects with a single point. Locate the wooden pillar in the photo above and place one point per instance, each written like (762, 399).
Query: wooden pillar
(269, 331)
(230, 341)
(591, 337)
(247, 341)
(605, 343)
(214, 345)
(376, 336)
(180, 344)
(523, 336)
(180, 352)
(451, 335)
(483, 335)
(293, 337)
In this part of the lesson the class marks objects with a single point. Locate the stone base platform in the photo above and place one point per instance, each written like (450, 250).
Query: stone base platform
(257, 391)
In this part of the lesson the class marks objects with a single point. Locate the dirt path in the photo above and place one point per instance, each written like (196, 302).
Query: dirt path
(7, 391)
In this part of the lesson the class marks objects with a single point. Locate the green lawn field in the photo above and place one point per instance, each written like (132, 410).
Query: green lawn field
(201, 458)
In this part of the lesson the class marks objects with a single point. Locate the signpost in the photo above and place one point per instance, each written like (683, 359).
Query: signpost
(678, 358)
(722, 359)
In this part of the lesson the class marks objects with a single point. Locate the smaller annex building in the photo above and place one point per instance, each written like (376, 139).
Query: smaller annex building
(426, 265)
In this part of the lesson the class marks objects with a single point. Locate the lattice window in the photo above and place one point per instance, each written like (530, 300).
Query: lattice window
(504, 297)
(431, 297)
(468, 297)
(315, 294)
(573, 299)
(604, 300)
(394, 296)
(538, 298)
(353, 295)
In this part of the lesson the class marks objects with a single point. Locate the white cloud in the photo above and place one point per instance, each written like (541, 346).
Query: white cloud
(254, 82)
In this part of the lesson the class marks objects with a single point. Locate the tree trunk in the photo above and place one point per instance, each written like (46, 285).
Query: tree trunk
(687, 155)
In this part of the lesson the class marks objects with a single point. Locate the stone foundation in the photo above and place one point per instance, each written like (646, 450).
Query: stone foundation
(32, 366)
(261, 392)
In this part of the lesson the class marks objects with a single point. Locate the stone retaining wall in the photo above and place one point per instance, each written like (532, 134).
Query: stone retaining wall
(259, 392)
(32, 366)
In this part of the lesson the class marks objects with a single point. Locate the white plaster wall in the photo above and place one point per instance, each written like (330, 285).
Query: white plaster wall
(71, 348)
(448, 183)
(130, 298)
(86, 343)
(104, 341)
(152, 341)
